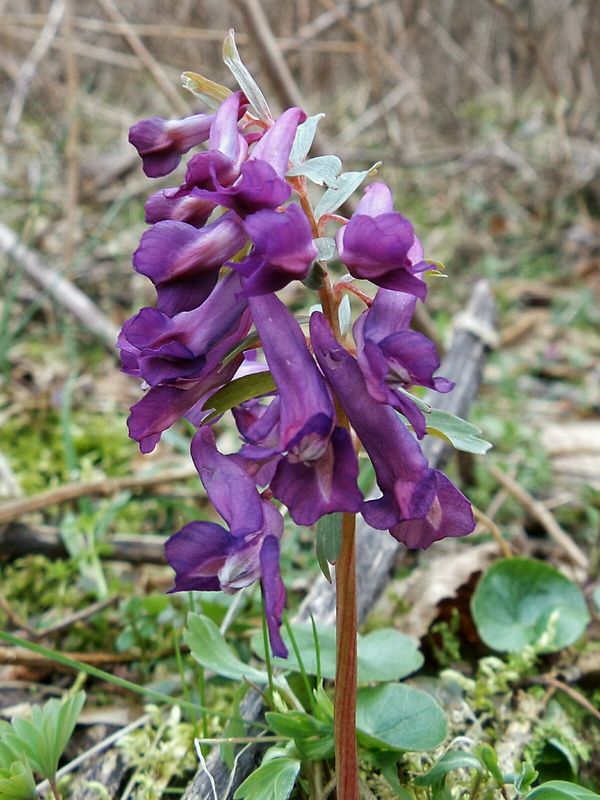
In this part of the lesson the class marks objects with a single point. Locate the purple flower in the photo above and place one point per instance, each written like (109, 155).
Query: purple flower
(207, 557)
(392, 357)
(379, 245)
(418, 505)
(220, 165)
(183, 262)
(261, 183)
(166, 204)
(180, 357)
(318, 475)
(161, 142)
(283, 250)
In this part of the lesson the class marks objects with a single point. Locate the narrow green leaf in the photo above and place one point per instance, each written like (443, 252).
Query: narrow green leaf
(245, 81)
(273, 780)
(209, 648)
(329, 535)
(320, 170)
(305, 135)
(249, 342)
(17, 783)
(347, 184)
(238, 391)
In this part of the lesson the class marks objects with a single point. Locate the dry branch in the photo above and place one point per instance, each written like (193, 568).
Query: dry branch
(104, 487)
(18, 540)
(377, 552)
(62, 290)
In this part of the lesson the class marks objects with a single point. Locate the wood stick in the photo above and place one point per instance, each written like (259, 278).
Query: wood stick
(28, 68)
(543, 516)
(19, 657)
(18, 540)
(145, 56)
(377, 551)
(60, 288)
(104, 487)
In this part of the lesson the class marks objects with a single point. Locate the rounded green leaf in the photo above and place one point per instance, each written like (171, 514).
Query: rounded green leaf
(561, 790)
(519, 600)
(273, 780)
(398, 717)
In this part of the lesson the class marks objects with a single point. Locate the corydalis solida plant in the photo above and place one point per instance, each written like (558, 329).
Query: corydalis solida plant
(239, 228)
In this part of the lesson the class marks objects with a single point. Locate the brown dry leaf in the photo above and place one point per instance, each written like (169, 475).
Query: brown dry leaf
(574, 449)
(439, 579)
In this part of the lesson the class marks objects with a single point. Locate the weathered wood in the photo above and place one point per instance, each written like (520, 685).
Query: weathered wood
(18, 540)
(377, 553)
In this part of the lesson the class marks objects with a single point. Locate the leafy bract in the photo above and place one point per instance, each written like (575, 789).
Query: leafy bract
(518, 601)
(329, 541)
(305, 135)
(458, 432)
(397, 717)
(347, 184)
(320, 170)
(238, 391)
(245, 81)
(211, 93)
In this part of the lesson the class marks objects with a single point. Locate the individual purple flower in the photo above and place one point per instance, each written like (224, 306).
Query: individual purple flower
(183, 262)
(379, 244)
(283, 250)
(208, 557)
(394, 358)
(419, 505)
(261, 183)
(161, 142)
(219, 165)
(181, 357)
(318, 473)
(166, 204)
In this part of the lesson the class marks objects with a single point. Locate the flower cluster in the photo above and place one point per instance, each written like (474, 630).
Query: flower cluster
(220, 246)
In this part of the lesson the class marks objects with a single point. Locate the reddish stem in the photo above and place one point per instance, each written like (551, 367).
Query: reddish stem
(346, 675)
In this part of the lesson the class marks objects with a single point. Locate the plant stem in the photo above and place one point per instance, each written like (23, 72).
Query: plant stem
(54, 789)
(346, 757)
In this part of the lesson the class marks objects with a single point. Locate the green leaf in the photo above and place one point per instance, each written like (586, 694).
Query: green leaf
(345, 315)
(296, 724)
(453, 759)
(489, 758)
(458, 432)
(329, 541)
(209, 648)
(561, 790)
(273, 780)
(518, 601)
(320, 170)
(347, 184)
(305, 135)
(238, 391)
(211, 93)
(397, 717)
(383, 655)
(245, 81)
(17, 783)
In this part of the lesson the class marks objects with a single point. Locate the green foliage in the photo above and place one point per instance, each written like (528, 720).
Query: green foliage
(346, 185)
(397, 717)
(35, 745)
(520, 603)
(245, 81)
(329, 541)
(238, 391)
(561, 790)
(273, 780)
(322, 170)
(383, 655)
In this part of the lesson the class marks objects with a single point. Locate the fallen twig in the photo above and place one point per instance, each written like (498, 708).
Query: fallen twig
(104, 487)
(62, 290)
(543, 516)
